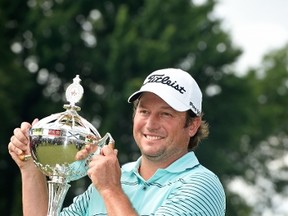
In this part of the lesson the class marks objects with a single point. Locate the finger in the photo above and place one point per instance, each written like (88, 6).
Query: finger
(80, 155)
(91, 148)
(111, 145)
(17, 153)
(23, 157)
(35, 121)
(84, 153)
(116, 152)
(15, 156)
(107, 150)
(18, 141)
(19, 159)
(25, 127)
(13, 149)
(19, 138)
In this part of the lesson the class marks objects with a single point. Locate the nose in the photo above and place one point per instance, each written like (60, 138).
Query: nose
(152, 122)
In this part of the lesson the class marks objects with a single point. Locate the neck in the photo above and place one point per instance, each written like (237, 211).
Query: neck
(148, 167)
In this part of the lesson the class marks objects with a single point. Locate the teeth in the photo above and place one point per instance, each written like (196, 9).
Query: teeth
(153, 137)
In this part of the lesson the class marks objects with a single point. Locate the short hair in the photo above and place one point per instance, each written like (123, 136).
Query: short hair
(202, 132)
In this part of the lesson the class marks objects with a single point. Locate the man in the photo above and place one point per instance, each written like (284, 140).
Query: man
(166, 180)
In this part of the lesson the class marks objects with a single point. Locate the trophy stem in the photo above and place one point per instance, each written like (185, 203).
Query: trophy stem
(57, 190)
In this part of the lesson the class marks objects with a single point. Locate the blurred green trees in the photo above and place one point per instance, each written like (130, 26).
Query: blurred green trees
(113, 46)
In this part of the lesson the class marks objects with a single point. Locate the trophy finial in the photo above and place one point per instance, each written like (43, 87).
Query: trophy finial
(74, 92)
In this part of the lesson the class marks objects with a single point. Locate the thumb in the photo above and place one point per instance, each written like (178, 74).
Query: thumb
(35, 121)
(25, 126)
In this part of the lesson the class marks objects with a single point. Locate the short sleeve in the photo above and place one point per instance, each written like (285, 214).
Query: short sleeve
(200, 194)
(80, 204)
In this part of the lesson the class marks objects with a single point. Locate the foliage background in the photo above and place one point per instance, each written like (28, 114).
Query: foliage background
(113, 45)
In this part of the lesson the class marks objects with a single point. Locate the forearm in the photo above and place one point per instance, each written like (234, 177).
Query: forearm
(117, 203)
(34, 193)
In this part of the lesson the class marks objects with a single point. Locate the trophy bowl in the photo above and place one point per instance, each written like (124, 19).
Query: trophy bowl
(55, 141)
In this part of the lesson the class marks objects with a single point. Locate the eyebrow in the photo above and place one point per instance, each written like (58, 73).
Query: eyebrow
(165, 107)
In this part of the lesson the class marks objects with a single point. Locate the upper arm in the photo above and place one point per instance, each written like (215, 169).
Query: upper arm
(200, 194)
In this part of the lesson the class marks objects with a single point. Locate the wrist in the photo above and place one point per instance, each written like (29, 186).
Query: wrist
(30, 169)
(117, 202)
(111, 192)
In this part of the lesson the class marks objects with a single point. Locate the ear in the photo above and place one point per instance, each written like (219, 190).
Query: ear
(194, 126)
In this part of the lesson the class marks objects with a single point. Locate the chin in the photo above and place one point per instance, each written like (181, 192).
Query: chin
(151, 153)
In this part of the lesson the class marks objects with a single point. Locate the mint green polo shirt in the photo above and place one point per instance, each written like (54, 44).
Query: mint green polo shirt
(184, 188)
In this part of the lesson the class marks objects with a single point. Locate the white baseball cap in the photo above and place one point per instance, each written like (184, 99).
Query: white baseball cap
(176, 87)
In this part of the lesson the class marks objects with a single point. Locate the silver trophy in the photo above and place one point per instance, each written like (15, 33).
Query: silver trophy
(55, 141)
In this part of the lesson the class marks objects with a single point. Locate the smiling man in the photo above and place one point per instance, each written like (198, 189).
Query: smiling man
(166, 180)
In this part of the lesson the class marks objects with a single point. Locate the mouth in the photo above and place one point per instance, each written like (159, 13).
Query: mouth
(152, 137)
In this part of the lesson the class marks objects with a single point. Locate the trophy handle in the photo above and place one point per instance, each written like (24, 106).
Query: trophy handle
(105, 140)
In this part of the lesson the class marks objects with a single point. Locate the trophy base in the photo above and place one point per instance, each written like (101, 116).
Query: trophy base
(57, 189)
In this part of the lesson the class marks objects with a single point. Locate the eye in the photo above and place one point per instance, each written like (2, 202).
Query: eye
(166, 114)
(143, 112)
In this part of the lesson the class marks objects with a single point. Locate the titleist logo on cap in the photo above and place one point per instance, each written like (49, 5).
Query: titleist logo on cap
(161, 78)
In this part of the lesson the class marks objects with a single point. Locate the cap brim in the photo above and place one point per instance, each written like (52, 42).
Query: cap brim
(134, 96)
(171, 101)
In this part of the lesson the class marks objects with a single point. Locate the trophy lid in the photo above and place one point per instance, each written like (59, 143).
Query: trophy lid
(69, 119)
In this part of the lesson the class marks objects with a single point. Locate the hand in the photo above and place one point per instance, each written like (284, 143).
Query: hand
(92, 148)
(19, 144)
(104, 170)
(86, 151)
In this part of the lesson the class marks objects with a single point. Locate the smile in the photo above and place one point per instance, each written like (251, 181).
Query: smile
(153, 137)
